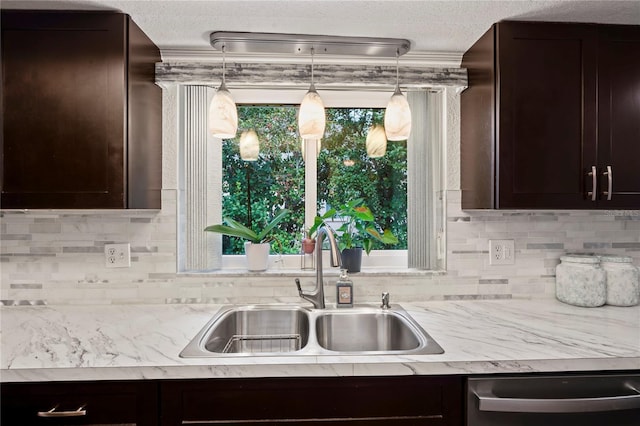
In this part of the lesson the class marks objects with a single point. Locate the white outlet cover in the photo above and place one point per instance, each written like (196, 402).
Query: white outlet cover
(502, 252)
(117, 255)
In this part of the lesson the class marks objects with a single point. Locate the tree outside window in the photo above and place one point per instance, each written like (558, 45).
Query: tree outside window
(345, 172)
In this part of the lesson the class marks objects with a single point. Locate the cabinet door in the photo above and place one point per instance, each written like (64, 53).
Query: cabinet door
(408, 400)
(64, 119)
(619, 116)
(546, 131)
(79, 403)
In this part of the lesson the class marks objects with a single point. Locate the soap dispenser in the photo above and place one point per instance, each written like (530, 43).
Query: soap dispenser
(344, 290)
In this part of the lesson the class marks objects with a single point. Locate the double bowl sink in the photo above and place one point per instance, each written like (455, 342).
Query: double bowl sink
(273, 330)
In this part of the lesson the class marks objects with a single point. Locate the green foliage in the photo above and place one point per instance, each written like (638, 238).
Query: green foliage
(234, 228)
(276, 180)
(380, 182)
(360, 228)
(318, 221)
(273, 182)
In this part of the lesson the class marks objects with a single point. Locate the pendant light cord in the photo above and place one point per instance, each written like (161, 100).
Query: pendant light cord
(224, 64)
(397, 67)
(312, 51)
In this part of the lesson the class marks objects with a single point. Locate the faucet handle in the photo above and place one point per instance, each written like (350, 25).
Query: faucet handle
(298, 285)
(385, 300)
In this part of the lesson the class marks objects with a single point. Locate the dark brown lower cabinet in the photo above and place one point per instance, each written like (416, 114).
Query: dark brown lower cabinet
(79, 403)
(410, 400)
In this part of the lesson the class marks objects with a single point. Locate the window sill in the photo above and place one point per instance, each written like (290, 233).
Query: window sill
(377, 263)
(327, 272)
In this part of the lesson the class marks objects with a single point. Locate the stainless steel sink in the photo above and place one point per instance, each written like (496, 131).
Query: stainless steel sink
(365, 331)
(261, 330)
(272, 330)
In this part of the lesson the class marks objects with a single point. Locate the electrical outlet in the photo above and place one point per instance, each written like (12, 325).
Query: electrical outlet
(502, 252)
(117, 255)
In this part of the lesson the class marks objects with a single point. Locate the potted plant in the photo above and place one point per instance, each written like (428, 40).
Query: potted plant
(309, 240)
(357, 232)
(257, 246)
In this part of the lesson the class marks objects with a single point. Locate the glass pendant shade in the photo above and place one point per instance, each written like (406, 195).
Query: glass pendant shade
(397, 117)
(223, 114)
(249, 146)
(376, 142)
(311, 117)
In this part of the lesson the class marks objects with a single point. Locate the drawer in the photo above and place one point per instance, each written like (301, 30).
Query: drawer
(79, 403)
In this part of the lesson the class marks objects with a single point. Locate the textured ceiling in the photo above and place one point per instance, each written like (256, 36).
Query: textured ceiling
(432, 26)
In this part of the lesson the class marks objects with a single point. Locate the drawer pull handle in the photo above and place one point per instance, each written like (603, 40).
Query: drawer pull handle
(594, 181)
(609, 175)
(488, 401)
(53, 413)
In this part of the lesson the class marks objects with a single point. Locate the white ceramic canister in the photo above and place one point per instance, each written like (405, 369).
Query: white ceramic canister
(622, 280)
(581, 281)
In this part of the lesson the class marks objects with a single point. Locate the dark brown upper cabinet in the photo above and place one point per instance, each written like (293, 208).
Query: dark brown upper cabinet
(81, 112)
(551, 117)
(619, 116)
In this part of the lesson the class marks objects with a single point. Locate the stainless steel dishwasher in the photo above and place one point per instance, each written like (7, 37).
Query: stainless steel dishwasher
(602, 400)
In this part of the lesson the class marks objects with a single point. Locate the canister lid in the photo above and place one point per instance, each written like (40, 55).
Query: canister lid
(580, 258)
(610, 258)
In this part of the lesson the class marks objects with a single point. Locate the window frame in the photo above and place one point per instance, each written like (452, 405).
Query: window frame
(338, 97)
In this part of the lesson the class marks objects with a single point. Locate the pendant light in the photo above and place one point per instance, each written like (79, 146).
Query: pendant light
(311, 118)
(376, 142)
(223, 114)
(397, 116)
(249, 145)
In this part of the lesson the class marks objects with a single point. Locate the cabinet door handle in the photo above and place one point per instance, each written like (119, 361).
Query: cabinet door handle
(609, 175)
(73, 413)
(594, 181)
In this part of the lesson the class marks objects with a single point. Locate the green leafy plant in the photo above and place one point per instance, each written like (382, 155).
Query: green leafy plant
(359, 229)
(234, 228)
(309, 240)
(319, 221)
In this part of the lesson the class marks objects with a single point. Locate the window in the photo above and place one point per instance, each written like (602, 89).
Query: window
(345, 172)
(403, 188)
(253, 191)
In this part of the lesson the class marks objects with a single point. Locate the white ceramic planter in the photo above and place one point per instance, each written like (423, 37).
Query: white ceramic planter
(257, 256)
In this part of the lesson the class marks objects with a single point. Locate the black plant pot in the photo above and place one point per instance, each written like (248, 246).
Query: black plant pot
(352, 259)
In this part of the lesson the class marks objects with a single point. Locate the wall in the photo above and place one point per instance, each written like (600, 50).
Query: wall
(57, 257)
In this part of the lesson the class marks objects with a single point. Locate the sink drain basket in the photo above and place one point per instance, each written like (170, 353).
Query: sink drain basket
(242, 343)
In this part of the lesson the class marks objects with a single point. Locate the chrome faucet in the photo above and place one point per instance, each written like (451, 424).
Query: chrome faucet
(317, 295)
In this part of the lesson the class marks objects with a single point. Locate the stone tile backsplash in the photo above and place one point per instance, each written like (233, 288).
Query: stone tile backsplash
(57, 257)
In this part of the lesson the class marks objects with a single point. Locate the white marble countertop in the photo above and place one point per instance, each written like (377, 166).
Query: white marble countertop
(50, 343)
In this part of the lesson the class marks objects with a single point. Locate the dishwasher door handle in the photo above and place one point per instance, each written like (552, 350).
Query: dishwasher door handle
(487, 401)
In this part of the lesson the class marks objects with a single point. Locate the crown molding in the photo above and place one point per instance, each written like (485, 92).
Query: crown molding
(417, 59)
(327, 76)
